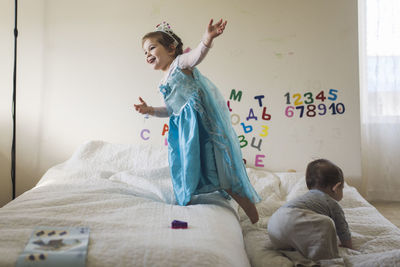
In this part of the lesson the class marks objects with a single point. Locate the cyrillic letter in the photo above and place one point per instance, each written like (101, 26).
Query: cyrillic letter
(259, 161)
(235, 96)
(259, 97)
(142, 132)
(264, 131)
(236, 116)
(259, 144)
(247, 129)
(229, 105)
(242, 141)
(265, 116)
(251, 115)
(165, 129)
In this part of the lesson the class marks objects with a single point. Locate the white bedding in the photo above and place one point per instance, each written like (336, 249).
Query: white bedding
(123, 194)
(376, 241)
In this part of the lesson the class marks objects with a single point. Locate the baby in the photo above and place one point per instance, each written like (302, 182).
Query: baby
(310, 223)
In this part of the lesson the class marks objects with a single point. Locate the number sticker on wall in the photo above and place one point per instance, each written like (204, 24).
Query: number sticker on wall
(306, 105)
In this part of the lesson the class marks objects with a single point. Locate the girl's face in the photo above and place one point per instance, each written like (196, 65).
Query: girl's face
(157, 55)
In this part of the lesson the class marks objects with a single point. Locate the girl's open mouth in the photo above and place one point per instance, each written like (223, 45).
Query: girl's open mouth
(151, 60)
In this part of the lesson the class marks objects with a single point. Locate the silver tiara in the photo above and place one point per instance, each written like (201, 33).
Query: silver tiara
(165, 28)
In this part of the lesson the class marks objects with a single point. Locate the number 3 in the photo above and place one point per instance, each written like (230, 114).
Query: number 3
(310, 99)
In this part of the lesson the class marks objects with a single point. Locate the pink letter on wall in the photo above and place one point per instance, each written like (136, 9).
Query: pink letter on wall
(258, 160)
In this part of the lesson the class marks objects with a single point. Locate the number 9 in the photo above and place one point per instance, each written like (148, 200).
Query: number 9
(322, 107)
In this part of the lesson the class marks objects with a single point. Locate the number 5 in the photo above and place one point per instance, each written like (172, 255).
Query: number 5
(333, 92)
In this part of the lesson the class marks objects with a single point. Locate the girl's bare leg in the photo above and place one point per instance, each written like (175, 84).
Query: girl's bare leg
(248, 206)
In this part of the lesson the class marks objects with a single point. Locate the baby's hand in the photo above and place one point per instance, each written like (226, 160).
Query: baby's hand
(142, 107)
(214, 30)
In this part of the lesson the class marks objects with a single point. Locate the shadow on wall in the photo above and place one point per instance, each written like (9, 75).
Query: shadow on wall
(5, 180)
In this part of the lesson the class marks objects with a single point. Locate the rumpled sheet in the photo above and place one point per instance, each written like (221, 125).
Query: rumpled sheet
(124, 195)
(376, 241)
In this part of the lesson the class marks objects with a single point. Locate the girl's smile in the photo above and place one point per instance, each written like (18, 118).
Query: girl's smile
(157, 55)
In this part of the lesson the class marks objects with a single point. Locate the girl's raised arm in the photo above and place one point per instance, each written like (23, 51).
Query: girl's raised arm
(213, 30)
(191, 59)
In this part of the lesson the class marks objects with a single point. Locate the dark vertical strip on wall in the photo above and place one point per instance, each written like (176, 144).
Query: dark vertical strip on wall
(14, 104)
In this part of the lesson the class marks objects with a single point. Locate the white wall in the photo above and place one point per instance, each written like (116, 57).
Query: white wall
(29, 91)
(6, 53)
(82, 68)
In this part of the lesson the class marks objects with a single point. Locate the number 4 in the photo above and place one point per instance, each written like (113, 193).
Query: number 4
(321, 96)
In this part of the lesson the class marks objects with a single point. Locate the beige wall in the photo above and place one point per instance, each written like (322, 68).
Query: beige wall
(6, 67)
(29, 91)
(82, 68)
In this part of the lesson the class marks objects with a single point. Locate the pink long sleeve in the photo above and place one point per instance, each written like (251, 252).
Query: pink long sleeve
(194, 57)
(161, 112)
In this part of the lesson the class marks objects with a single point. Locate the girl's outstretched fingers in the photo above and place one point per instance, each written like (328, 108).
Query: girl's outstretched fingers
(216, 29)
(221, 26)
(142, 101)
(142, 107)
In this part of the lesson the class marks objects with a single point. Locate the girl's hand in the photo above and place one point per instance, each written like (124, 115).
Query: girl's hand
(214, 30)
(143, 108)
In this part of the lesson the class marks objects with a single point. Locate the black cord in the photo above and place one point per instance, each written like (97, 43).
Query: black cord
(14, 103)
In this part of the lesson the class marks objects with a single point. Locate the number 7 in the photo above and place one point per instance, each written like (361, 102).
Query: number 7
(301, 110)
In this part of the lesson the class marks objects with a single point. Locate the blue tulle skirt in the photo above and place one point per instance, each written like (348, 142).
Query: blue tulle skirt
(204, 150)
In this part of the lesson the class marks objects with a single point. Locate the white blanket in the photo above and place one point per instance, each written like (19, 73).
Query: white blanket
(124, 195)
(376, 241)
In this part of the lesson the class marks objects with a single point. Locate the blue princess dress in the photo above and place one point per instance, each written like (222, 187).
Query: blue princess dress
(204, 151)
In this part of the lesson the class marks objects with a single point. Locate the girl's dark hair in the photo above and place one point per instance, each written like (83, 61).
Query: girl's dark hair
(166, 41)
(322, 173)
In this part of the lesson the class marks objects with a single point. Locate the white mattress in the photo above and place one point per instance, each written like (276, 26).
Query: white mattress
(124, 195)
(376, 241)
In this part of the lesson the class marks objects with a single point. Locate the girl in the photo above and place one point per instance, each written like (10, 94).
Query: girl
(204, 151)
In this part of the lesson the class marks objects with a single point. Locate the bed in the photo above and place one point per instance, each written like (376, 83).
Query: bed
(123, 194)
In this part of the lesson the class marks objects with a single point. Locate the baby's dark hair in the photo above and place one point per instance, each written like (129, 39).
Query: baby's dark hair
(322, 173)
(165, 40)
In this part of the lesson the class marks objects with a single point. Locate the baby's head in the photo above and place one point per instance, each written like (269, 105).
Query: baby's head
(324, 175)
(168, 42)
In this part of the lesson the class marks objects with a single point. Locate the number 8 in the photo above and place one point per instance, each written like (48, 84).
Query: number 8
(311, 111)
